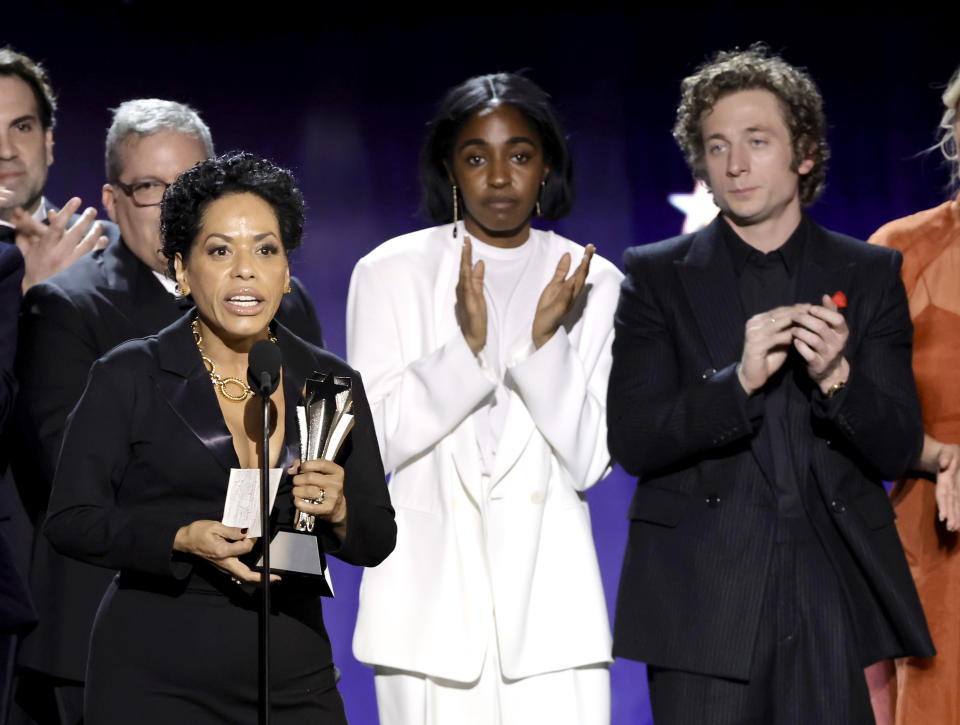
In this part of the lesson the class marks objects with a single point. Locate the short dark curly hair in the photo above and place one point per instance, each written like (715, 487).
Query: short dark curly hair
(184, 203)
(457, 108)
(756, 68)
(34, 75)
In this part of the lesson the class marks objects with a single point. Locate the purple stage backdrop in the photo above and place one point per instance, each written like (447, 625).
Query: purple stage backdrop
(343, 103)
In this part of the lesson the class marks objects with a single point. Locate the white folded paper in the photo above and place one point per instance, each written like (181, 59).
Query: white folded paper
(242, 507)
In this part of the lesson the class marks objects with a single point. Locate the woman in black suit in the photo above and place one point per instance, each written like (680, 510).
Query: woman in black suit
(144, 468)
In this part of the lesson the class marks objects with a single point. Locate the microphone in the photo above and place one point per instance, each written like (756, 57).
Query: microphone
(263, 371)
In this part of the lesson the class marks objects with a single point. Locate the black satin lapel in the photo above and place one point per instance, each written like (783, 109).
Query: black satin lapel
(194, 400)
(292, 394)
(710, 284)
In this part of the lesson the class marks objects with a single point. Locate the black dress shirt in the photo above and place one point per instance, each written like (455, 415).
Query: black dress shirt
(764, 282)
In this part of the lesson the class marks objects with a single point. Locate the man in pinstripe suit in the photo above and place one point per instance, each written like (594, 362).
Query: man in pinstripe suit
(761, 391)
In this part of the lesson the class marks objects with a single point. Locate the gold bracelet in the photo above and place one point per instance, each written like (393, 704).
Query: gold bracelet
(835, 388)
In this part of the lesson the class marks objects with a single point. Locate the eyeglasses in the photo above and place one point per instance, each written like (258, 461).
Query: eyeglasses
(144, 193)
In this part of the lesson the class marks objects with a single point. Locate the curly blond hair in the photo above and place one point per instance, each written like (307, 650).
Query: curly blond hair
(948, 139)
(756, 68)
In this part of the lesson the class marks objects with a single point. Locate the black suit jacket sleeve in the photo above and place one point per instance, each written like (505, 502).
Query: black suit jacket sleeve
(371, 528)
(880, 404)
(85, 520)
(11, 275)
(656, 416)
(54, 358)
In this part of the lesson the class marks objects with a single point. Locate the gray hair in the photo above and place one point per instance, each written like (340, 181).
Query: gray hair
(145, 117)
(948, 141)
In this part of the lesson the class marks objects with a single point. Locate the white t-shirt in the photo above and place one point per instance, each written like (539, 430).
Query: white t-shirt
(503, 272)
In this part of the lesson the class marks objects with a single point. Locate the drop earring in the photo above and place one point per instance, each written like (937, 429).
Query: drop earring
(543, 184)
(456, 211)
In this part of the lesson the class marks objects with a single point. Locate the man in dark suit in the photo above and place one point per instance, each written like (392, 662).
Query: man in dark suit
(69, 321)
(761, 391)
(16, 611)
(50, 239)
(45, 240)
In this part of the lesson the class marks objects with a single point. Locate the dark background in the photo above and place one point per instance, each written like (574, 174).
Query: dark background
(341, 96)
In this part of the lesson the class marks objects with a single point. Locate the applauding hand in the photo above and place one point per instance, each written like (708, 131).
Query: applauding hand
(471, 308)
(820, 336)
(948, 482)
(558, 296)
(766, 342)
(50, 248)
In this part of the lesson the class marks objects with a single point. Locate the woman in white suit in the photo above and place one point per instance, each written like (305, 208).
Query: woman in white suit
(486, 362)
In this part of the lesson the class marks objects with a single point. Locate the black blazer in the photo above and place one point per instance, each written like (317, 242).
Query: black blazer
(67, 322)
(11, 276)
(147, 451)
(15, 607)
(703, 515)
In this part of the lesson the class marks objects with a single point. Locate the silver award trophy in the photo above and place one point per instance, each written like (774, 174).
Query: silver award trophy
(325, 419)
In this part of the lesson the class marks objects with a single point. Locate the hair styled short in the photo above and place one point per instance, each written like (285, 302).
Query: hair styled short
(458, 107)
(186, 201)
(756, 68)
(145, 117)
(33, 74)
(948, 139)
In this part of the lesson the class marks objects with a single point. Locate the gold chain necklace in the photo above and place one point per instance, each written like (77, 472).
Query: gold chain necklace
(219, 382)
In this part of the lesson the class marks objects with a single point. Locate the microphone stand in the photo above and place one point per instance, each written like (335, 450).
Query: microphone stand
(263, 375)
(264, 674)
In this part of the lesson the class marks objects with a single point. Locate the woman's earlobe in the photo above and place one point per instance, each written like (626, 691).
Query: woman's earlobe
(450, 177)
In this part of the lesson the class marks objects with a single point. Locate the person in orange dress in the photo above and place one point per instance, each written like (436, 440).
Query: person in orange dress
(928, 513)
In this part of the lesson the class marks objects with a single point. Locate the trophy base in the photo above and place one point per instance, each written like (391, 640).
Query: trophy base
(292, 553)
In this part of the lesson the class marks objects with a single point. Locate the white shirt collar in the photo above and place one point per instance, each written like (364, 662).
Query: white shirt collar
(168, 284)
(40, 215)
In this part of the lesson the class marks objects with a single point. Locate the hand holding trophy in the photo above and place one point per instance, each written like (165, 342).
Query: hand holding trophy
(324, 419)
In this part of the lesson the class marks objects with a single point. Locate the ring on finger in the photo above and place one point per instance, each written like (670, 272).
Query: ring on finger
(316, 501)
(773, 319)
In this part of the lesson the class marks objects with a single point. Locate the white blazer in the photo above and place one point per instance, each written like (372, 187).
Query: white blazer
(518, 545)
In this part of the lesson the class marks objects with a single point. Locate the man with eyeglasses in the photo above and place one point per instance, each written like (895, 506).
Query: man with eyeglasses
(118, 293)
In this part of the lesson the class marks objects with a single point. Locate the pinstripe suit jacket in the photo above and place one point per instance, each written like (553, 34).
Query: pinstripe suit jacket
(703, 516)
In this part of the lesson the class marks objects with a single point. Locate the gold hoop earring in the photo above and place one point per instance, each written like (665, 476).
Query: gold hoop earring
(184, 291)
(287, 290)
(456, 211)
(543, 185)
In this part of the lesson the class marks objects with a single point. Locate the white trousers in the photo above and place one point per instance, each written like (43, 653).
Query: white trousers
(578, 696)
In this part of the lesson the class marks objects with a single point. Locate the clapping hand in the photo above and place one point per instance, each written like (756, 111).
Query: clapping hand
(820, 336)
(948, 481)
(766, 342)
(471, 307)
(50, 248)
(558, 296)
